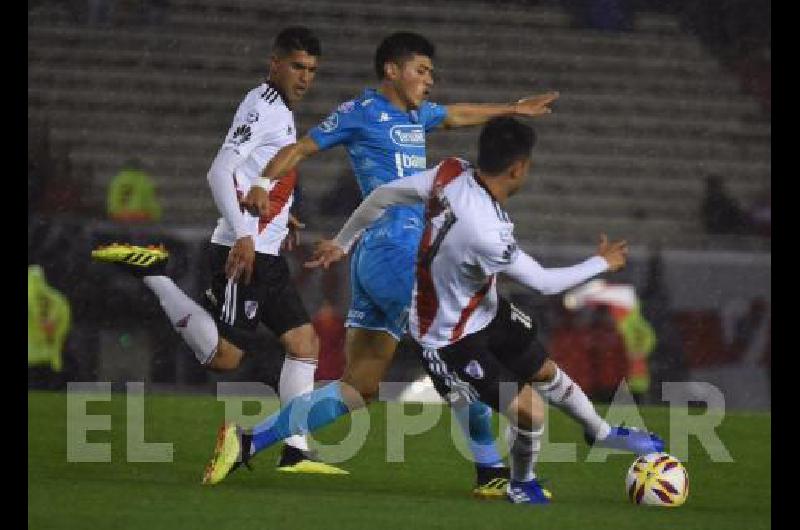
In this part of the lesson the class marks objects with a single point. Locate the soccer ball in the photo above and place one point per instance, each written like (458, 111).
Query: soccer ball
(657, 479)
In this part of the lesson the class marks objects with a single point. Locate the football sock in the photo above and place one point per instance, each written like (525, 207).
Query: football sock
(195, 326)
(297, 377)
(305, 413)
(523, 452)
(475, 421)
(565, 394)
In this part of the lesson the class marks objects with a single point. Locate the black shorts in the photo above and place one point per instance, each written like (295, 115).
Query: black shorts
(270, 297)
(475, 367)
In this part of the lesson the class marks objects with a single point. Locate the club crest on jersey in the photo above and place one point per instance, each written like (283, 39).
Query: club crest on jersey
(330, 123)
(408, 135)
(252, 117)
(474, 369)
(250, 308)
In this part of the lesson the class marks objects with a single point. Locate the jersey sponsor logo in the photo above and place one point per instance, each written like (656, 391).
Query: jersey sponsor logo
(474, 369)
(250, 308)
(346, 107)
(355, 314)
(252, 117)
(412, 161)
(241, 134)
(330, 123)
(408, 135)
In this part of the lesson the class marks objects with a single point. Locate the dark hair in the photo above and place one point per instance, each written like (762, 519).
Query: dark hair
(503, 141)
(400, 46)
(296, 38)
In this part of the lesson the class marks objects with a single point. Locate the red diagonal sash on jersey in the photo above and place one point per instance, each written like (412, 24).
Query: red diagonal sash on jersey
(278, 197)
(427, 302)
(474, 302)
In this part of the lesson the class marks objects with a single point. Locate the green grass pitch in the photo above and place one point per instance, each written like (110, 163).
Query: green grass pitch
(429, 490)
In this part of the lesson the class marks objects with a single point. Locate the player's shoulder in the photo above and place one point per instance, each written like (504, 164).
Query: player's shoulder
(451, 168)
(267, 100)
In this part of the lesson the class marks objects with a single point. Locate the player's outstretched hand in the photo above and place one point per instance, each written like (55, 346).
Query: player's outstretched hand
(615, 253)
(241, 259)
(293, 238)
(536, 105)
(256, 201)
(326, 252)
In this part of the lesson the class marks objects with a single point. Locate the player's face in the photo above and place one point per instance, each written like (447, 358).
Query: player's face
(293, 74)
(414, 80)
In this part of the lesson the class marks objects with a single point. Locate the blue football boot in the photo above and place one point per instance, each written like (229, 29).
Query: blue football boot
(629, 439)
(529, 492)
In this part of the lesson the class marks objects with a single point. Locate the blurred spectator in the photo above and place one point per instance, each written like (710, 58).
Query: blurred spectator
(568, 345)
(721, 213)
(667, 362)
(329, 325)
(624, 308)
(606, 353)
(132, 195)
(62, 191)
(52, 183)
(48, 321)
(750, 331)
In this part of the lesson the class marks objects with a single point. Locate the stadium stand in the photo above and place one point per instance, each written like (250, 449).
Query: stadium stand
(643, 117)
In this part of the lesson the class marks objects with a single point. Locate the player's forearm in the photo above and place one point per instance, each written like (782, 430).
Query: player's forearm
(372, 208)
(220, 180)
(528, 272)
(466, 114)
(286, 159)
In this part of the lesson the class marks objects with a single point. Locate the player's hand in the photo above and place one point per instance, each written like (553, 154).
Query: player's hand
(533, 106)
(615, 253)
(256, 201)
(293, 238)
(241, 259)
(325, 253)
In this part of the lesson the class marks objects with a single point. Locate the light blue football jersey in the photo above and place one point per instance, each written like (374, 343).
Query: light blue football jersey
(384, 143)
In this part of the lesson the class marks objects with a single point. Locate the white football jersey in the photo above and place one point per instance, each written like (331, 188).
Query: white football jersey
(468, 239)
(263, 124)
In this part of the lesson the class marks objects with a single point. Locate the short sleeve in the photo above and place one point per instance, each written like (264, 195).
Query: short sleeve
(495, 250)
(340, 127)
(252, 126)
(432, 114)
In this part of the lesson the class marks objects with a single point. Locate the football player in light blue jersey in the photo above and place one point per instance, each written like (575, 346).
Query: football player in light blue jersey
(384, 133)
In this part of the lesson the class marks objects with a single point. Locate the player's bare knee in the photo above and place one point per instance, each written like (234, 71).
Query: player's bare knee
(301, 343)
(547, 372)
(227, 358)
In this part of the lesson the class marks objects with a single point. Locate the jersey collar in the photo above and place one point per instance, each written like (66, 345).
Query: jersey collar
(480, 182)
(274, 87)
(375, 94)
